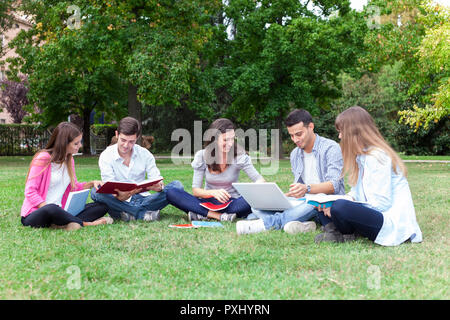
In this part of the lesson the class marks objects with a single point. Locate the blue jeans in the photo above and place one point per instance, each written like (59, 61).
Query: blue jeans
(187, 202)
(276, 220)
(138, 204)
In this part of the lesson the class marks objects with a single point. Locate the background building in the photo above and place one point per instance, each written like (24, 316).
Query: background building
(20, 23)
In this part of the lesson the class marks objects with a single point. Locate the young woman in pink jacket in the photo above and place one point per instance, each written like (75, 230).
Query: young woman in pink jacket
(51, 178)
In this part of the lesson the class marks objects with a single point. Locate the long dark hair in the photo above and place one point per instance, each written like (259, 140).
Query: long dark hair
(218, 127)
(61, 136)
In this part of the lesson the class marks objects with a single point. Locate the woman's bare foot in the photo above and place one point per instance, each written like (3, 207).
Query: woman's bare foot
(214, 215)
(99, 221)
(68, 227)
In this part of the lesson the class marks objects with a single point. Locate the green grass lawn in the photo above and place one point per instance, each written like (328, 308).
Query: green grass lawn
(141, 260)
(436, 158)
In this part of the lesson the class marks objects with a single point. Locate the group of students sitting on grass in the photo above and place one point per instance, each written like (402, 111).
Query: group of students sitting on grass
(381, 208)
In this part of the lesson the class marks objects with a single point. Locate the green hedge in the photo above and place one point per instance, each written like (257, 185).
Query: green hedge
(103, 129)
(107, 131)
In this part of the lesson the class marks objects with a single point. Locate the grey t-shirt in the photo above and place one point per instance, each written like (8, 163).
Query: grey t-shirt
(226, 178)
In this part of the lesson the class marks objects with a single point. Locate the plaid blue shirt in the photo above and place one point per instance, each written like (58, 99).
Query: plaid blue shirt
(329, 163)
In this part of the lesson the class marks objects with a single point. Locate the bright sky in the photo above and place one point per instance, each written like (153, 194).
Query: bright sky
(359, 4)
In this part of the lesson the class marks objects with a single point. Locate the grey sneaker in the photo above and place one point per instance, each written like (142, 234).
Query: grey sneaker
(195, 216)
(228, 217)
(152, 216)
(294, 227)
(124, 216)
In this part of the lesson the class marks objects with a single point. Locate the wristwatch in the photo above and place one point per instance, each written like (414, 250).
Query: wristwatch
(308, 188)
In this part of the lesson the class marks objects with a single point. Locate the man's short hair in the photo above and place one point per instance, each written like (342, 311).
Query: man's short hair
(129, 126)
(297, 116)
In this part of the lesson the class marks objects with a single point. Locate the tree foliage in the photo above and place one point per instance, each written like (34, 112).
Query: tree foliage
(13, 95)
(275, 56)
(420, 39)
(148, 47)
(68, 71)
(284, 56)
(434, 55)
(5, 18)
(252, 61)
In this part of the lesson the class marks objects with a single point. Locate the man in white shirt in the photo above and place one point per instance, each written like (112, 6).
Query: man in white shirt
(126, 161)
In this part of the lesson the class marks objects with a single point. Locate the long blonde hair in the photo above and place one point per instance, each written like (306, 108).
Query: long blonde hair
(359, 135)
(63, 134)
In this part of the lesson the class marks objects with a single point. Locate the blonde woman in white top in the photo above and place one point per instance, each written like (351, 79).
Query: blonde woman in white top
(378, 179)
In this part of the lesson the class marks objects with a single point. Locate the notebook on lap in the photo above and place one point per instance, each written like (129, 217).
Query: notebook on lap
(265, 196)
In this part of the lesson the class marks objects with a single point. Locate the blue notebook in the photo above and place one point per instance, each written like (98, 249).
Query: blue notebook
(76, 201)
(325, 200)
(207, 224)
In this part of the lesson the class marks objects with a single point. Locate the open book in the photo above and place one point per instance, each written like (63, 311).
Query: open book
(324, 199)
(110, 186)
(76, 201)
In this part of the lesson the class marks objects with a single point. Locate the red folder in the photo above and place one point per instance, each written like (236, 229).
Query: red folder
(183, 226)
(110, 186)
(215, 207)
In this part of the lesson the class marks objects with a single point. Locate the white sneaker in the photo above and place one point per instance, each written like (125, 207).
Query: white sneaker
(294, 227)
(250, 226)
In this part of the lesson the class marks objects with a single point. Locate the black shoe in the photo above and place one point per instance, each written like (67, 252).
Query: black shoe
(349, 237)
(330, 234)
(334, 236)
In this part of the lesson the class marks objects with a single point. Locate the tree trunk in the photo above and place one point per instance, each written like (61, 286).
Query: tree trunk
(87, 131)
(280, 125)
(134, 106)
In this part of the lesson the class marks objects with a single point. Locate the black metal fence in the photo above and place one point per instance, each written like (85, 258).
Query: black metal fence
(22, 139)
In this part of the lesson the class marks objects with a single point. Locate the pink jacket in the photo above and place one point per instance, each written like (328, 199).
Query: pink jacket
(36, 187)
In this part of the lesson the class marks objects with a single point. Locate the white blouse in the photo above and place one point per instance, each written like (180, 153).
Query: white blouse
(142, 166)
(388, 193)
(59, 181)
(225, 179)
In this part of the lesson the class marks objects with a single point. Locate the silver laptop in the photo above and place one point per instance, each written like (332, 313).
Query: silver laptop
(265, 196)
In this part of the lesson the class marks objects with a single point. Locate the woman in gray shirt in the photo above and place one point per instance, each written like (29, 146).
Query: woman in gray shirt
(218, 165)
